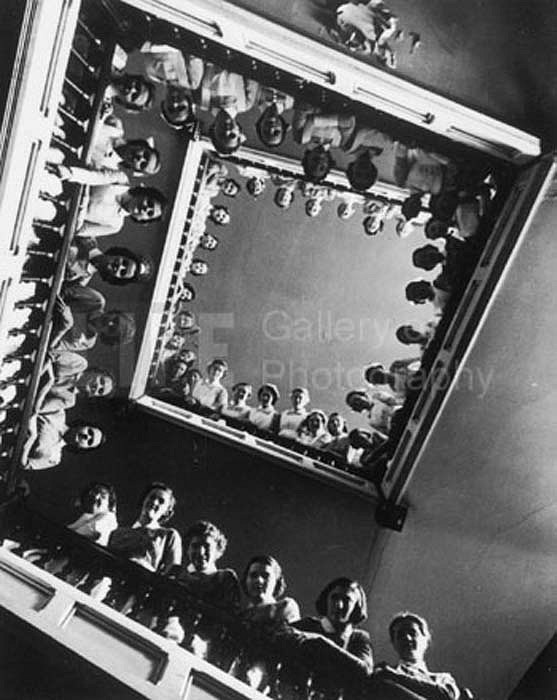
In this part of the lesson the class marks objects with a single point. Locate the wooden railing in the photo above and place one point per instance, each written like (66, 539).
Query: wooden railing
(41, 248)
(41, 563)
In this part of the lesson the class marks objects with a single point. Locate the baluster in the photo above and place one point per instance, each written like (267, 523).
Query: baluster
(82, 25)
(46, 243)
(81, 123)
(193, 641)
(71, 571)
(15, 382)
(86, 96)
(56, 561)
(119, 593)
(192, 627)
(224, 649)
(35, 547)
(23, 356)
(308, 692)
(169, 623)
(83, 61)
(276, 683)
(35, 278)
(8, 429)
(74, 150)
(39, 265)
(13, 332)
(49, 226)
(40, 254)
(141, 608)
(13, 531)
(97, 584)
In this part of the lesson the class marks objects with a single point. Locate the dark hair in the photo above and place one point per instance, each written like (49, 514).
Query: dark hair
(185, 312)
(139, 260)
(126, 330)
(85, 500)
(260, 135)
(276, 197)
(359, 614)
(368, 220)
(219, 207)
(373, 367)
(406, 616)
(361, 173)
(304, 425)
(361, 439)
(361, 395)
(236, 184)
(376, 375)
(182, 123)
(429, 231)
(250, 186)
(336, 413)
(427, 257)
(130, 106)
(207, 235)
(411, 206)
(247, 385)
(190, 372)
(443, 206)
(407, 335)
(181, 356)
(101, 370)
(80, 423)
(203, 528)
(309, 168)
(266, 560)
(143, 143)
(218, 362)
(419, 291)
(220, 147)
(187, 285)
(163, 487)
(153, 193)
(272, 389)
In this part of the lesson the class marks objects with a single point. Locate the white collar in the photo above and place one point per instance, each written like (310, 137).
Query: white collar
(421, 666)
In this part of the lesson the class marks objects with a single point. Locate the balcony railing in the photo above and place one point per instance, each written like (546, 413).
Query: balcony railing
(39, 247)
(52, 578)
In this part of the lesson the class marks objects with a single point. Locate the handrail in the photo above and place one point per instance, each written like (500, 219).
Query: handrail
(58, 279)
(234, 645)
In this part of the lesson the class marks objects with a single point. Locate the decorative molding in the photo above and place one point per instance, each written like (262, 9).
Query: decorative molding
(241, 30)
(245, 441)
(172, 668)
(507, 236)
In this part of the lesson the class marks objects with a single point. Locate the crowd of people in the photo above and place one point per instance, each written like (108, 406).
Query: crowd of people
(455, 204)
(113, 176)
(196, 89)
(299, 427)
(333, 638)
(81, 315)
(326, 437)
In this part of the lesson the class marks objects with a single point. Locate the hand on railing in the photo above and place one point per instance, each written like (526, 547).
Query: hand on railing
(273, 662)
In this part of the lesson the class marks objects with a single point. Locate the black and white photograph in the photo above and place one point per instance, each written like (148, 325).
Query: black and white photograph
(278, 390)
